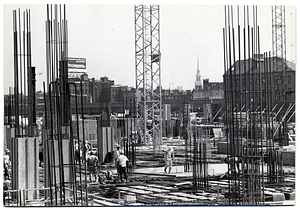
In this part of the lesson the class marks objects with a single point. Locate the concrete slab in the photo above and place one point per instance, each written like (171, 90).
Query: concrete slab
(178, 171)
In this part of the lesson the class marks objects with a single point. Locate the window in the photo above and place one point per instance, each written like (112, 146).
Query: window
(289, 79)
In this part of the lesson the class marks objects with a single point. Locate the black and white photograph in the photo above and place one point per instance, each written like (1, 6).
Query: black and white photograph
(149, 104)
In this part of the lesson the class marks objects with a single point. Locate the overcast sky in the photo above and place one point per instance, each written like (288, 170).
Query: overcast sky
(104, 35)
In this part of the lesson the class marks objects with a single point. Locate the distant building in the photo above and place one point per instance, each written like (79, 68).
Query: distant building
(198, 82)
(101, 96)
(92, 90)
(253, 72)
(210, 90)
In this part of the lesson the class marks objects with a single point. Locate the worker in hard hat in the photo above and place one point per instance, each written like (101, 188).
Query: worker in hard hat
(169, 154)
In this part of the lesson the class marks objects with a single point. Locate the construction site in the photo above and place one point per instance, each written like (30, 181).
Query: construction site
(247, 158)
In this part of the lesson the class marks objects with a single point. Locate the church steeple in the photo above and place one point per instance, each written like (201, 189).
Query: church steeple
(198, 83)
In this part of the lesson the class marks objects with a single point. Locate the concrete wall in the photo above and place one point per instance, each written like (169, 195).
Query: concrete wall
(105, 141)
(288, 158)
(90, 129)
(58, 166)
(25, 170)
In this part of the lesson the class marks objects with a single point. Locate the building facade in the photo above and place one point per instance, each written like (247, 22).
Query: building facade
(255, 76)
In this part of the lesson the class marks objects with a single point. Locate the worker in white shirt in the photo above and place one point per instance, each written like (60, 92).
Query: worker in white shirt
(122, 162)
(169, 155)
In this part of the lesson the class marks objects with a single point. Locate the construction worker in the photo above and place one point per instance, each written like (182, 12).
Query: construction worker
(77, 153)
(233, 164)
(169, 154)
(41, 157)
(122, 163)
(116, 155)
(6, 164)
(92, 162)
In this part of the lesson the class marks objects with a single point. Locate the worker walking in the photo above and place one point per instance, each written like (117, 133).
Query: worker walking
(122, 163)
(169, 154)
(92, 162)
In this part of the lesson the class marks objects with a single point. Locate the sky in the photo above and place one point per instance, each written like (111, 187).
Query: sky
(104, 34)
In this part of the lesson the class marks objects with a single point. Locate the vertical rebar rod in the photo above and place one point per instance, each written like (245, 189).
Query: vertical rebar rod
(84, 143)
(47, 153)
(78, 142)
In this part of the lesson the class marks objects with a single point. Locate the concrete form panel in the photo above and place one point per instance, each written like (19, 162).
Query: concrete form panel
(25, 172)
(105, 141)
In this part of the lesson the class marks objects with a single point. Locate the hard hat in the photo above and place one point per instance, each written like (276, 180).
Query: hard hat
(7, 150)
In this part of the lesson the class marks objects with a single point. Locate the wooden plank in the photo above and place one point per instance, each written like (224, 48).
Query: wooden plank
(123, 188)
(150, 189)
(172, 197)
(208, 196)
(189, 196)
(162, 187)
(105, 203)
(183, 183)
(132, 190)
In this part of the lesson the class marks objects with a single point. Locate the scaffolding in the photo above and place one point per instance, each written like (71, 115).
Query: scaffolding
(148, 74)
